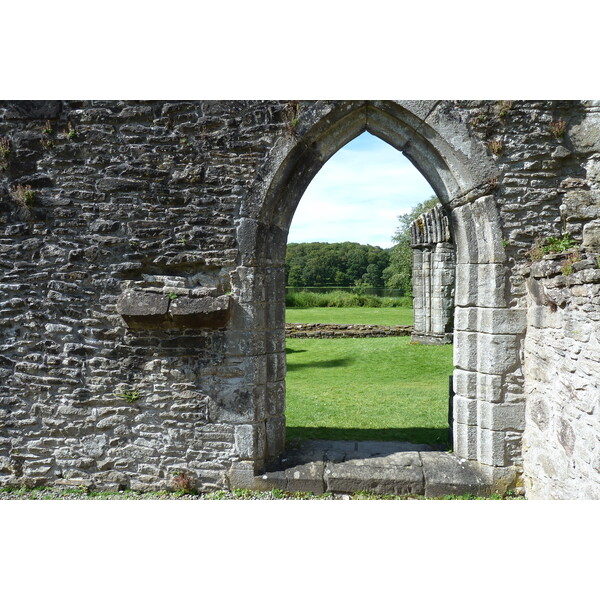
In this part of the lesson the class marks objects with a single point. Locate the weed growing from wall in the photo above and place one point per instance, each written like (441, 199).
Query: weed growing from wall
(292, 118)
(182, 482)
(504, 107)
(558, 128)
(496, 147)
(4, 153)
(551, 245)
(566, 266)
(24, 197)
(130, 396)
(71, 132)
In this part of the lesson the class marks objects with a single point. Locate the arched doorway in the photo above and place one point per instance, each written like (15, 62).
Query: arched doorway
(488, 408)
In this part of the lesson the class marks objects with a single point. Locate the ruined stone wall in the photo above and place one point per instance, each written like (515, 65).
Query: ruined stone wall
(126, 197)
(562, 370)
(538, 146)
(561, 444)
(434, 265)
(142, 248)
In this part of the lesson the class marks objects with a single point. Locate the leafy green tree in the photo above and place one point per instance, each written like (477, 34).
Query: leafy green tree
(399, 273)
(335, 264)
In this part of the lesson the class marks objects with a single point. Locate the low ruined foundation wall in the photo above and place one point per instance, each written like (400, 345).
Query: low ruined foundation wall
(561, 444)
(327, 330)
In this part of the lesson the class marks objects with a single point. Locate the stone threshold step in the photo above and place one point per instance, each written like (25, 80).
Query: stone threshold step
(381, 467)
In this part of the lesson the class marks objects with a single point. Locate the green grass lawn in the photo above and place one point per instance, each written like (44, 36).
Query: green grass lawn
(367, 389)
(352, 315)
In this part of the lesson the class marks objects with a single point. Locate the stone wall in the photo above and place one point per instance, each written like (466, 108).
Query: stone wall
(561, 444)
(112, 374)
(434, 266)
(142, 290)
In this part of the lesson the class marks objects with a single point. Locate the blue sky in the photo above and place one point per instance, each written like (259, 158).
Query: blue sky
(358, 195)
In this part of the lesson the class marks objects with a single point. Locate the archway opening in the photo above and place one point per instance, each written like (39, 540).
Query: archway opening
(352, 371)
(462, 174)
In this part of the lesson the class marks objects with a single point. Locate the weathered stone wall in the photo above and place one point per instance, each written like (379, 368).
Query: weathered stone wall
(139, 198)
(142, 288)
(562, 373)
(434, 266)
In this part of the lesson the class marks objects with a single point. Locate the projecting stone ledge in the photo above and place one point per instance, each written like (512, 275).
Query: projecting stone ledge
(200, 312)
(150, 310)
(142, 309)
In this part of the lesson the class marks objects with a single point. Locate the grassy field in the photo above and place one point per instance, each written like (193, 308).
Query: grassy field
(351, 315)
(367, 389)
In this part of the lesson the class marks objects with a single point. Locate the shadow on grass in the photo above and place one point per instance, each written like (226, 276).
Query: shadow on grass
(437, 437)
(322, 364)
(292, 351)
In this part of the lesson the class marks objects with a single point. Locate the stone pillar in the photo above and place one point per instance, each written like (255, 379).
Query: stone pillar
(434, 264)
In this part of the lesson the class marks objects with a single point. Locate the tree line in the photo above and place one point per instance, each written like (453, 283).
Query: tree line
(346, 264)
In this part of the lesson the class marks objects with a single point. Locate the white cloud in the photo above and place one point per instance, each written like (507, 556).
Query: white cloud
(358, 195)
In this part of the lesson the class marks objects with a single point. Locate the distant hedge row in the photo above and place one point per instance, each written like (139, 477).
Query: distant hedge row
(341, 299)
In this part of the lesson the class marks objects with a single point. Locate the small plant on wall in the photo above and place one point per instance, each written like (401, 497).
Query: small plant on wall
(4, 153)
(182, 482)
(496, 147)
(24, 197)
(558, 128)
(551, 245)
(130, 396)
(71, 132)
(504, 107)
(45, 141)
(566, 266)
(291, 116)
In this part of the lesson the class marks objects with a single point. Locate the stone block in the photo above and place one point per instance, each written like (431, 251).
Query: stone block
(449, 474)
(241, 475)
(501, 417)
(273, 480)
(481, 285)
(237, 403)
(490, 320)
(591, 235)
(465, 383)
(491, 447)
(477, 232)
(143, 309)
(250, 441)
(306, 478)
(490, 388)
(465, 410)
(353, 475)
(486, 353)
(465, 350)
(465, 440)
(193, 313)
